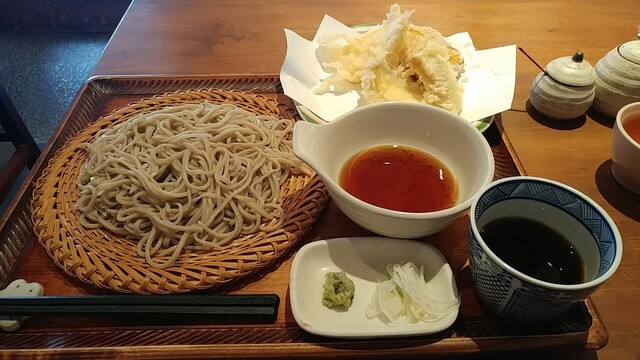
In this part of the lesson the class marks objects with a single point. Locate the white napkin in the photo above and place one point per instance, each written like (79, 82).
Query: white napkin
(488, 80)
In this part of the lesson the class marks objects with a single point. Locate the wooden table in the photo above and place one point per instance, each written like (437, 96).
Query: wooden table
(199, 37)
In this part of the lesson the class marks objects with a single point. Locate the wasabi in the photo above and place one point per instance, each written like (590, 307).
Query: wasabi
(338, 290)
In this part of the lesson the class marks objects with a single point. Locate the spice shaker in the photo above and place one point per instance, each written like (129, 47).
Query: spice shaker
(565, 89)
(618, 78)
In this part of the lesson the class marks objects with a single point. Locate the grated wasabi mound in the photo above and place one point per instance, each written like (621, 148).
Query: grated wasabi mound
(338, 290)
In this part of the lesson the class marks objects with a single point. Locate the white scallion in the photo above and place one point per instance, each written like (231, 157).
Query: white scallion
(406, 298)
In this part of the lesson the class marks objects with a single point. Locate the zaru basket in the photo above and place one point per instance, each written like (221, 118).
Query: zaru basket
(109, 261)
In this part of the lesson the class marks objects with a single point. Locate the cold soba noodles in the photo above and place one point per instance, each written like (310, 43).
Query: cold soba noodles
(192, 176)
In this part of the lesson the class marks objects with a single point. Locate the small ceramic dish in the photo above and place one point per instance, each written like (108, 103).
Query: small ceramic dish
(364, 260)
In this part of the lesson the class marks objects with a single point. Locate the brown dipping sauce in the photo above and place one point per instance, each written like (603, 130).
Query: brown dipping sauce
(399, 177)
(632, 126)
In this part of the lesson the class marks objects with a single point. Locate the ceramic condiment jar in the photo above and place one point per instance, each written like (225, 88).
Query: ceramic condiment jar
(618, 78)
(565, 89)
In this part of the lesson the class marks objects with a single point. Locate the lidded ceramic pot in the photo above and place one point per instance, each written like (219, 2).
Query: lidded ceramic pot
(618, 78)
(566, 89)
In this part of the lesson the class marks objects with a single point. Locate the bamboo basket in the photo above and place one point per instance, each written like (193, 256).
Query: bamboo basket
(110, 261)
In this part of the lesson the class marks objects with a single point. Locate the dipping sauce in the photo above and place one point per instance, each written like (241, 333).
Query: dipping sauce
(535, 249)
(632, 126)
(399, 177)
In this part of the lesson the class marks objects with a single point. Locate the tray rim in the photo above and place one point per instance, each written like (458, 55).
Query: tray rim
(74, 342)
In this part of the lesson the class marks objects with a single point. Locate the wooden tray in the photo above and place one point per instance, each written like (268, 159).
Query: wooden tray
(475, 330)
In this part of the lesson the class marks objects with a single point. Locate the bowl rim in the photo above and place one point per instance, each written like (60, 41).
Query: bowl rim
(625, 111)
(591, 284)
(406, 215)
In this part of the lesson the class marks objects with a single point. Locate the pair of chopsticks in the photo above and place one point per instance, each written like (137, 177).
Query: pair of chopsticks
(256, 308)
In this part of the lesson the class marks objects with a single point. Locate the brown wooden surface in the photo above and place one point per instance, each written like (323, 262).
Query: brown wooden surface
(199, 37)
(203, 37)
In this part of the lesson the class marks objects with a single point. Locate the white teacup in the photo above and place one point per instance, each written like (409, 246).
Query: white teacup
(625, 150)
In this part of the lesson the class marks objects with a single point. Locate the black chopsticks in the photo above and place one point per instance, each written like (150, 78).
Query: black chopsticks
(258, 308)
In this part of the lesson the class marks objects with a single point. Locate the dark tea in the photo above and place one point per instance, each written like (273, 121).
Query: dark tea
(632, 126)
(534, 249)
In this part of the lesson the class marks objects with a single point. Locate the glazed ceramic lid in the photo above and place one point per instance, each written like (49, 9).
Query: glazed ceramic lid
(630, 51)
(572, 70)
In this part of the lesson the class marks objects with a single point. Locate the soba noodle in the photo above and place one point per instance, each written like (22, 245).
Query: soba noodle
(192, 176)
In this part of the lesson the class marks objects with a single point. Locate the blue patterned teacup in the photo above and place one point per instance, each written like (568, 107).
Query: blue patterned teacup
(521, 297)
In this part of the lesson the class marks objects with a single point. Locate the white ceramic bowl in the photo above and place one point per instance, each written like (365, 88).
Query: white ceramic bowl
(448, 137)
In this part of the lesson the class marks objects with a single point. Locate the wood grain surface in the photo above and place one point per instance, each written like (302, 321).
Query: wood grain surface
(203, 37)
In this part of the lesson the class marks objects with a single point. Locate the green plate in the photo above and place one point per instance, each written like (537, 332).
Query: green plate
(308, 115)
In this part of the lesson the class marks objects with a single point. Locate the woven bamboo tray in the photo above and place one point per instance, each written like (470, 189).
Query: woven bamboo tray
(109, 261)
